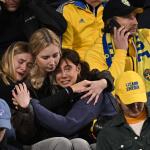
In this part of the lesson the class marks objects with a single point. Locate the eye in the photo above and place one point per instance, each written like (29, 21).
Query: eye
(56, 55)
(68, 68)
(21, 61)
(45, 57)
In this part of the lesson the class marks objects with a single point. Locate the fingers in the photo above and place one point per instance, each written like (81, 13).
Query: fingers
(127, 35)
(25, 87)
(86, 95)
(92, 97)
(120, 32)
(96, 99)
(20, 87)
(13, 93)
(84, 89)
(81, 86)
(15, 103)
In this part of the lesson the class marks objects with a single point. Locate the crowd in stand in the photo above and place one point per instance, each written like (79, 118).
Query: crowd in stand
(74, 74)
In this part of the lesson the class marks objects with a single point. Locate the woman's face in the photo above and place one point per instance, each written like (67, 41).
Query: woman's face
(48, 58)
(67, 73)
(22, 65)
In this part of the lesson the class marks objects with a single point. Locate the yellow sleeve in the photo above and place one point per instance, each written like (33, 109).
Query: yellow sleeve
(67, 39)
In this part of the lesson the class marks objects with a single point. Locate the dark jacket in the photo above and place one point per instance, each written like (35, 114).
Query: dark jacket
(32, 15)
(118, 135)
(6, 92)
(22, 120)
(143, 19)
(79, 115)
(137, 3)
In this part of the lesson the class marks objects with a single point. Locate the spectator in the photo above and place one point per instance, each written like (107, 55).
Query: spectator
(126, 48)
(83, 34)
(15, 65)
(130, 129)
(5, 124)
(20, 18)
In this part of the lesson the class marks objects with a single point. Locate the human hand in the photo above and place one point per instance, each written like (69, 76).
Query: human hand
(21, 95)
(95, 90)
(82, 86)
(120, 37)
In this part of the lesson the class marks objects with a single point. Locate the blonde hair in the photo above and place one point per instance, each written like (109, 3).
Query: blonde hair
(7, 69)
(39, 40)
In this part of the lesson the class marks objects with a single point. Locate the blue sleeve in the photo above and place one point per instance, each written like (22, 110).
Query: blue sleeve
(79, 116)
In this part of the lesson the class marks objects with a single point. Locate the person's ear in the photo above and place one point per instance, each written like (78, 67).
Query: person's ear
(78, 69)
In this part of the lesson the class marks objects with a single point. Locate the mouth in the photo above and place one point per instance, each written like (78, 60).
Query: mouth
(20, 74)
(134, 29)
(65, 82)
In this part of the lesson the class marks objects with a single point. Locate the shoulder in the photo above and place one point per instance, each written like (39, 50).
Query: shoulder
(145, 31)
(71, 5)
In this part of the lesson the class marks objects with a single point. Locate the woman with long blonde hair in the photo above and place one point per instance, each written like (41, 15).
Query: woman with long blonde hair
(46, 50)
(15, 65)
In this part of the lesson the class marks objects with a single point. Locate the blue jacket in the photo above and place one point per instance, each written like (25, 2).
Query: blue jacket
(78, 117)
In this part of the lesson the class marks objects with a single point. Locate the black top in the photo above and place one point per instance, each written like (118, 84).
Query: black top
(32, 15)
(143, 19)
(6, 92)
(4, 145)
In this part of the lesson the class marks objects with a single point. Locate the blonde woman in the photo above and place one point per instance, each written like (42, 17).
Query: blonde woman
(15, 66)
(46, 49)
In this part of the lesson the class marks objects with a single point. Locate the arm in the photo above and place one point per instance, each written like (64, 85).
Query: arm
(64, 95)
(68, 36)
(79, 116)
(95, 74)
(48, 16)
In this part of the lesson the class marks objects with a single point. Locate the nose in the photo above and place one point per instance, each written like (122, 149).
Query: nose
(63, 74)
(135, 20)
(24, 67)
(51, 62)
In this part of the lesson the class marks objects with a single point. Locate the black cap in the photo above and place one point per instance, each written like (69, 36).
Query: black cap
(118, 8)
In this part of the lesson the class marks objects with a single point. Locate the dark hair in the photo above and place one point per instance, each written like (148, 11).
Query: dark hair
(74, 57)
